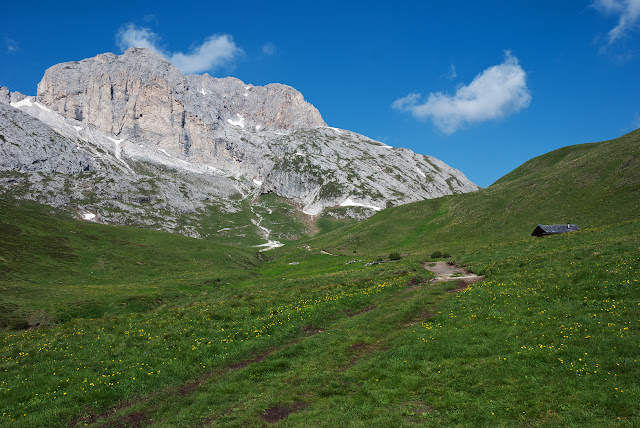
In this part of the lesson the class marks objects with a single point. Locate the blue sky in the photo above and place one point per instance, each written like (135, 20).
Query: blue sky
(484, 86)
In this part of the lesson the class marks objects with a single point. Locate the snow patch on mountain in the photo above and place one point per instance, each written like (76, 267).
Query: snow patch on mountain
(350, 203)
(238, 122)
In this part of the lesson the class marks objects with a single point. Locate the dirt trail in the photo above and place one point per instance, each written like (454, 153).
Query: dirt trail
(447, 272)
(328, 253)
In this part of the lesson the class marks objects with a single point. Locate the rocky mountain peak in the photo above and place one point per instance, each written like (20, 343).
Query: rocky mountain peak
(134, 119)
(141, 94)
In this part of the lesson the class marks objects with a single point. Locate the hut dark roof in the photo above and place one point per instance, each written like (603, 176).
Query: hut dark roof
(553, 229)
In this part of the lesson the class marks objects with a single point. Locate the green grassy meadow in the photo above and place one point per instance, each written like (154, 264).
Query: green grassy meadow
(116, 326)
(55, 269)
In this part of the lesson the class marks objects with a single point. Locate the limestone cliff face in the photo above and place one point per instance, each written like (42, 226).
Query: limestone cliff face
(267, 137)
(269, 107)
(132, 96)
(141, 96)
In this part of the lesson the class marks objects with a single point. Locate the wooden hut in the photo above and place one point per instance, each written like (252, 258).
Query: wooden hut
(553, 229)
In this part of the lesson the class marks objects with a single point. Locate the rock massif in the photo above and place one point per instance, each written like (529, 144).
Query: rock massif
(136, 119)
(139, 96)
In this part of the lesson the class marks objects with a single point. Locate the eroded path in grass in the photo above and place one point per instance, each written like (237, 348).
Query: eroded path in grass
(445, 271)
(303, 380)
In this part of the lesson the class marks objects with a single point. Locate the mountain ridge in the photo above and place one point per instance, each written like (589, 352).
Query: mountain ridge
(137, 109)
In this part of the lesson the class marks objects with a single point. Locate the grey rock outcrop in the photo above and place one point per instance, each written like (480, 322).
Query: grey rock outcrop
(10, 97)
(5, 95)
(341, 168)
(62, 163)
(28, 145)
(140, 94)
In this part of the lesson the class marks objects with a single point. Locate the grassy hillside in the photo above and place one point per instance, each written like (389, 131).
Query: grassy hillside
(53, 268)
(306, 338)
(589, 185)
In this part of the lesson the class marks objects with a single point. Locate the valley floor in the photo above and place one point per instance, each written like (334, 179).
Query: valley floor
(548, 338)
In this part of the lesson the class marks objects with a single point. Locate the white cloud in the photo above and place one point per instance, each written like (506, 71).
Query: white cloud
(215, 52)
(12, 45)
(497, 92)
(628, 12)
(131, 36)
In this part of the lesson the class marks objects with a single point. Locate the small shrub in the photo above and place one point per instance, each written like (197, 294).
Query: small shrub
(446, 255)
(395, 256)
(436, 255)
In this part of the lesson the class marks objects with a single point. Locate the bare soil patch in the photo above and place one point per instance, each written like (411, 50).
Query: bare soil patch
(359, 345)
(91, 417)
(349, 313)
(188, 387)
(420, 318)
(359, 350)
(465, 283)
(278, 413)
(445, 271)
(134, 419)
(416, 280)
(257, 359)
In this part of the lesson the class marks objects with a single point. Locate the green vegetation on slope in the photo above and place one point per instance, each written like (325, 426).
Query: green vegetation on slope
(549, 338)
(589, 185)
(88, 365)
(55, 269)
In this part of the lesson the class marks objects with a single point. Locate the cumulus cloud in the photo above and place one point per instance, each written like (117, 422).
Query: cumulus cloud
(628, 13)
(216, 51)
(131, 36)
(497, 92)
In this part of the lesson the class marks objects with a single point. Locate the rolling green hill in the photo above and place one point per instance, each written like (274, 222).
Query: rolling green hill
(589, 185)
